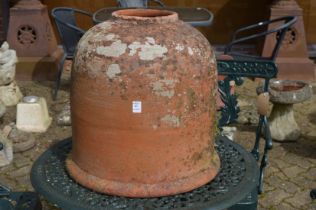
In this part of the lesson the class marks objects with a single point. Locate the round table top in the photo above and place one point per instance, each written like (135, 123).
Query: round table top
(238, 176)
(193, 16)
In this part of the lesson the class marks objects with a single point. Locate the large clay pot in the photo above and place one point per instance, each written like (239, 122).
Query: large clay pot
(143, 106)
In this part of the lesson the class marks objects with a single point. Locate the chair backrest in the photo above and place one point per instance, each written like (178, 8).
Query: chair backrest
(279, 31)
(69, 33)
(132, 3)
(137, 3)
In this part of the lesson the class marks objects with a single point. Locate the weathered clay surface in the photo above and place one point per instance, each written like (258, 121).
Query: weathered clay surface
(282, 123)
(143, 107)
(10, 94)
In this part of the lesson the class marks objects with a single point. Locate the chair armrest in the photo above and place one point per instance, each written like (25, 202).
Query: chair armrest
(70, 10)
(287, 19)
(246, 68)
(288, 22)
(82, 12)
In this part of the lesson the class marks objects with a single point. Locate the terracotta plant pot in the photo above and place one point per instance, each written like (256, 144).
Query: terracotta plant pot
(143, 106)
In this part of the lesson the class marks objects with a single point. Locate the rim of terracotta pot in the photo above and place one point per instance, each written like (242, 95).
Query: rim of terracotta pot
(142, 190)
(155, 15)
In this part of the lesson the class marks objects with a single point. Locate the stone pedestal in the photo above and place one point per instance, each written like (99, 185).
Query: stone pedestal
(282, 123)
(293, 62)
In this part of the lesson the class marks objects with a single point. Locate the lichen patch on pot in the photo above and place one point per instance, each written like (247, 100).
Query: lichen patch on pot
(190, 51)
(133, 48)
(150, 40)
(171, 120)
(116, 49)
(105, 26)
(148, 51)
(164, 87)
(179, 47)
(113, 71)
(111, 37)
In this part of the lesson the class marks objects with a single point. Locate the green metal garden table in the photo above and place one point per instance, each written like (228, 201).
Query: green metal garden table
(234, 185)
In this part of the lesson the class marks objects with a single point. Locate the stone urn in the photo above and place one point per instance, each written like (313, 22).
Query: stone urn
(143, 106)
(284, 94)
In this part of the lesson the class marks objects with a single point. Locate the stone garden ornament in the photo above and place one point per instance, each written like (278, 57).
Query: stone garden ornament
(8, 59)
(10, 93)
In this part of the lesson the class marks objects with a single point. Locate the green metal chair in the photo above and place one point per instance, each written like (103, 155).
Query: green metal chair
(313, 193)
(137, 3)
(251, 66)
(70, 35)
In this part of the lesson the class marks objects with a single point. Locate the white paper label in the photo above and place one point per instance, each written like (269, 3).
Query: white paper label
(137, 107)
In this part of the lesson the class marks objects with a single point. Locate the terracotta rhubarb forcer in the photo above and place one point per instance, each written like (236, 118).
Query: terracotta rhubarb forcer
(143, 106)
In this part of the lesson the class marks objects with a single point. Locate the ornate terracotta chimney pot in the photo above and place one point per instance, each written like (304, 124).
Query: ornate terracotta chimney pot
(30, 31)
(293, 62)
(31, 35)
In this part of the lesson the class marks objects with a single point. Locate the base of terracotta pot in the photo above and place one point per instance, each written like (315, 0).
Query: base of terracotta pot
(140, 189)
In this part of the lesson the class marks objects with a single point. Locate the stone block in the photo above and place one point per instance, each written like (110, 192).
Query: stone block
(32, 115)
